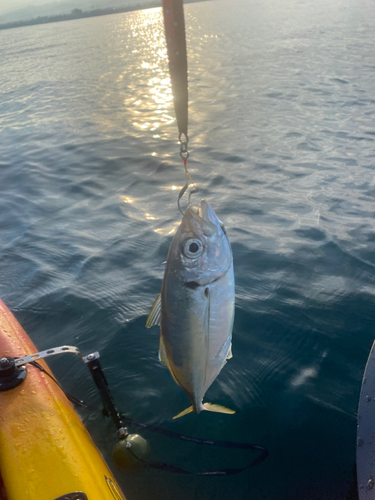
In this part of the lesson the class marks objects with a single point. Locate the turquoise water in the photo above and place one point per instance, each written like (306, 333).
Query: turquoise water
(282, 130)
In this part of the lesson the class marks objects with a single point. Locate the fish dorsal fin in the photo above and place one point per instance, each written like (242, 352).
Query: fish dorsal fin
(155, 313)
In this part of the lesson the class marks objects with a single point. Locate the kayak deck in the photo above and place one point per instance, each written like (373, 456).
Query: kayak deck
(45, 450)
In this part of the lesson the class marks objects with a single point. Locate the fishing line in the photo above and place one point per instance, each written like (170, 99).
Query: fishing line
(175, 37)
(263, 451)
(188, 179)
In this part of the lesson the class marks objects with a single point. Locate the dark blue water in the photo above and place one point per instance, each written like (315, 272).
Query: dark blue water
(282, 131)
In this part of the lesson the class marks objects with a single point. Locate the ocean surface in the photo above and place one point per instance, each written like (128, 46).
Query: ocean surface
(282, 145)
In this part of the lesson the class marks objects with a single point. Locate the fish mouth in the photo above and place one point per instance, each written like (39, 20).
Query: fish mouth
(206, 218)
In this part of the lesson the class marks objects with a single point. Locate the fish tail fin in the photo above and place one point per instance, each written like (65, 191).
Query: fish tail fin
(184, 412)
(207, 407)
(217, 408)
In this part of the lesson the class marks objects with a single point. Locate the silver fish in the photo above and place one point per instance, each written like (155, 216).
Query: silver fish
(195, 309)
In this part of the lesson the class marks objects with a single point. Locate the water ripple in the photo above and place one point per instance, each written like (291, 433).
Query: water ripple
(281, 126)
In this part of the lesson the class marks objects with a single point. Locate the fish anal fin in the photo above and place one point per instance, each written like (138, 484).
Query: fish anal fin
(229, 354)
(184, 412)
(217, 408)
(155, 313)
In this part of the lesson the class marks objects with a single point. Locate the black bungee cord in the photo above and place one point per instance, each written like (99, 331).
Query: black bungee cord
(118, 419)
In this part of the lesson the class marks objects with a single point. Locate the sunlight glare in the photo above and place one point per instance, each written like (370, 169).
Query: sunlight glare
(126, 199)
(156, 105)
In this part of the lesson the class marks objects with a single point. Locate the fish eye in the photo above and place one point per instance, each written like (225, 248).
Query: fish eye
(192, 248)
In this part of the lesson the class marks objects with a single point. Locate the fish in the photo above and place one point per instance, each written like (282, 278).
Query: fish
(195, 308)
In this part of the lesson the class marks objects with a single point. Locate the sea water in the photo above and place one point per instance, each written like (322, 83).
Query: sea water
(282, 131)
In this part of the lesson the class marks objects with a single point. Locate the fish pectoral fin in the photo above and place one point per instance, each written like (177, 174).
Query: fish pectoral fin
(218, 408)
(155, 313)
(184, 412)
(162, 353)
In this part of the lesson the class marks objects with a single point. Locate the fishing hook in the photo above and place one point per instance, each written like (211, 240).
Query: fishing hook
(184, 153)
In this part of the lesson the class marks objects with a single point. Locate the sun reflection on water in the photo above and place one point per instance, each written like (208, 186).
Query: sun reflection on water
(166, 231)
(146, 97)
(126, 199)
(137, 212)
(154, 107)
(171, 188)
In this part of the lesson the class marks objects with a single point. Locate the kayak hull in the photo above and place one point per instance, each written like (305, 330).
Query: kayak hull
(45, 450)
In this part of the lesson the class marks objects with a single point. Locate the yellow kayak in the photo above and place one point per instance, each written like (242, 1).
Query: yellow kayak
(45, 451)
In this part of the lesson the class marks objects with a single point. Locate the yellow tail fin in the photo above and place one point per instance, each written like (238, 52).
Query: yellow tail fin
(208, 407)
(218, 408)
